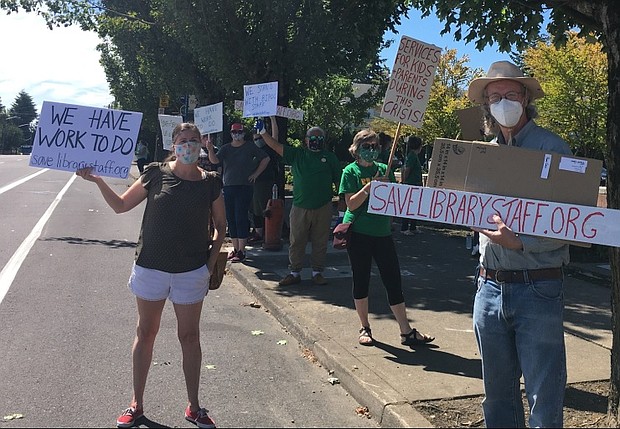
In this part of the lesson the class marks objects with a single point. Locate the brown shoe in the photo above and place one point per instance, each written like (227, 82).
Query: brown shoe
(290, 280)
(319, 279)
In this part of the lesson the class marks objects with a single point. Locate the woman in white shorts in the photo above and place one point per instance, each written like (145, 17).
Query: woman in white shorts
(176, 251)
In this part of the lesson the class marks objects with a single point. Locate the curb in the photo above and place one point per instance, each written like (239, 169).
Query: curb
(361, 382)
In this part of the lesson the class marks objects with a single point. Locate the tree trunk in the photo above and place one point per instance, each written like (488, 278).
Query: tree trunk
(611, 25)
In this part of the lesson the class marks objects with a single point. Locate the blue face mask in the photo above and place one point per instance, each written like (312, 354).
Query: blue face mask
(187, 152)
(369, 155)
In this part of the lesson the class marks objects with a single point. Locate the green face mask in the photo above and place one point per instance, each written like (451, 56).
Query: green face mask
(369, 155)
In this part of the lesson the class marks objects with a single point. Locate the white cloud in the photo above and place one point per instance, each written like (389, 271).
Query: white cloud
(60, 65)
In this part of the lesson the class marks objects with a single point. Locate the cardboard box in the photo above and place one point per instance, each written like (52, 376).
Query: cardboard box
(470, 120)
(514, 172)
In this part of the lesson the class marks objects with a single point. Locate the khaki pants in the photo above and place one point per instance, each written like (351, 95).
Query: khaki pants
(309, 225)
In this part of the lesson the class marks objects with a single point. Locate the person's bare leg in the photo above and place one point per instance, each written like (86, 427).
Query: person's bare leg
(188, 331)
(149, 318)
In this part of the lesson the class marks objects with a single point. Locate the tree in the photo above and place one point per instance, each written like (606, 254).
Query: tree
(574, 78)
(519, 23)
(22, 114)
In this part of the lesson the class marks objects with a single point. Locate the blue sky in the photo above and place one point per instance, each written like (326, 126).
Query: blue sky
(428, 30)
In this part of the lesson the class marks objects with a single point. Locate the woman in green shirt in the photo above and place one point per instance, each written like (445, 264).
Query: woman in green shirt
(371, 238)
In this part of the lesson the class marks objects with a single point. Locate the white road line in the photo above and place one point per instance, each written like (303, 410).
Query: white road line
(8, 273)
(20, 181)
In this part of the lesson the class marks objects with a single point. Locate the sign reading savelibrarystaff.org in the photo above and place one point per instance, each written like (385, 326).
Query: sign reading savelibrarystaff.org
(70, 137)
(563, 221)
(410, 82)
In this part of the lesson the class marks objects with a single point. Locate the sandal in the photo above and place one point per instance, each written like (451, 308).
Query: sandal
(411, 339)
(365, 338)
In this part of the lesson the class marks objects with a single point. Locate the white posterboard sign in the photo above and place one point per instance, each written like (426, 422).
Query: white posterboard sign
(285, 112)
(260, 99)
(548, 219)
(410, 82)
(167, 124)
(210, 119)
(69, 137)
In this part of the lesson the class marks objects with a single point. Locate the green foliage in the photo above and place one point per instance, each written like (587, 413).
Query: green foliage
(574, 78)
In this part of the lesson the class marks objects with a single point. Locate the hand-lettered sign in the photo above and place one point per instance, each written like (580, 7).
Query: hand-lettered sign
(260, 99)
(410, 82)
(563, 221)
(285, 112)
(70, 137)
(209, 119)
(167, 124)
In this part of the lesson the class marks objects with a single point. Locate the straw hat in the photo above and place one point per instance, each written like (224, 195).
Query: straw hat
(503, 70)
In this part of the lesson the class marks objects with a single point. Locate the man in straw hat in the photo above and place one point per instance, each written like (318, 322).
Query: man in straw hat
(519, 303)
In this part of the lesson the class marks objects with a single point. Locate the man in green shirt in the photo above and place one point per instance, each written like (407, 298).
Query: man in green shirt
(315, 172)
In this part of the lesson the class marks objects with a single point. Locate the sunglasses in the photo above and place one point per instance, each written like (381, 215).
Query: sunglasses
(315, 138)
(236, 132)
(370, 146)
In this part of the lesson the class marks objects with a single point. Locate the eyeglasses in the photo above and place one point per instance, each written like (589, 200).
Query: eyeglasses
(236, 132)
(370, 146)
(512, 96)
(315, 138)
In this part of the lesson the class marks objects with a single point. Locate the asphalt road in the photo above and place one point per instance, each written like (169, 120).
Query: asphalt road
(67, 322)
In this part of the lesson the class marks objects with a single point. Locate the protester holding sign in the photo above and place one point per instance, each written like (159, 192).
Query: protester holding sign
(315, 171)
(372, 239)
(263, 186)
(175, 255)
(518, 307)
(239, 161)
(411, 174)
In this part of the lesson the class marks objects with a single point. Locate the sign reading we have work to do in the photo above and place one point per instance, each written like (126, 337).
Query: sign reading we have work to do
(70, 137)
(563, 221)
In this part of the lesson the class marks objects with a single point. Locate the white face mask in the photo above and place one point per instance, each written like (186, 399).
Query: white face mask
(506, 112)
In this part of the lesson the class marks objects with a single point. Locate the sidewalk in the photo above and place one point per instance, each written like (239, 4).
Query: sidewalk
(437, 275)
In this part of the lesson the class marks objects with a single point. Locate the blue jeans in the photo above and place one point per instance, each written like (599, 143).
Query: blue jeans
(519, 330)
(237, 200)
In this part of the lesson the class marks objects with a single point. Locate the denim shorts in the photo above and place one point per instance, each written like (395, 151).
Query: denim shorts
(181, 288)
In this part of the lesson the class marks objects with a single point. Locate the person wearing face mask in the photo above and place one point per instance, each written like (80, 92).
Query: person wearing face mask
(263, 186)
(316, 172)
(240, 171)
(176, 252)
(518, 308)
(371, 239)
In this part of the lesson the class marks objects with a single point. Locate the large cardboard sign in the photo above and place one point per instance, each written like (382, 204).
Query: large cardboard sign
(260, 99)
(514, 171)
(569, 222)
(167, 124)
(285, 112)
(70, 137)
(471, 123)
(210, 119)
(410, 82)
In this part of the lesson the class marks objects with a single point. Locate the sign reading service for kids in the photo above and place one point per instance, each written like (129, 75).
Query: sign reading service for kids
(260, 99)
(410, 82)
(71, 137)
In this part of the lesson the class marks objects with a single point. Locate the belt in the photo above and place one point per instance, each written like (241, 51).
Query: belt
(521, 276)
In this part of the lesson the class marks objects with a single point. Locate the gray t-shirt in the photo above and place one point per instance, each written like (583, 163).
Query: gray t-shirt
(175, 234)
(239, 162)
(538, 252)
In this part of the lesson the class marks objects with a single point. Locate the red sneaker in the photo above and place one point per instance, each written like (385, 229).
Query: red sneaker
(129, 417)
(200, 418)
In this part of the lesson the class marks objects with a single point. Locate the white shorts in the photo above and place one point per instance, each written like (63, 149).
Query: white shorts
(181, 288)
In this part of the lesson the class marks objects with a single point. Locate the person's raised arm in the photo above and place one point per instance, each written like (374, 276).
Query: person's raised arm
(206, 140)
(119, 203)
(274, 127)
(269, 140)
